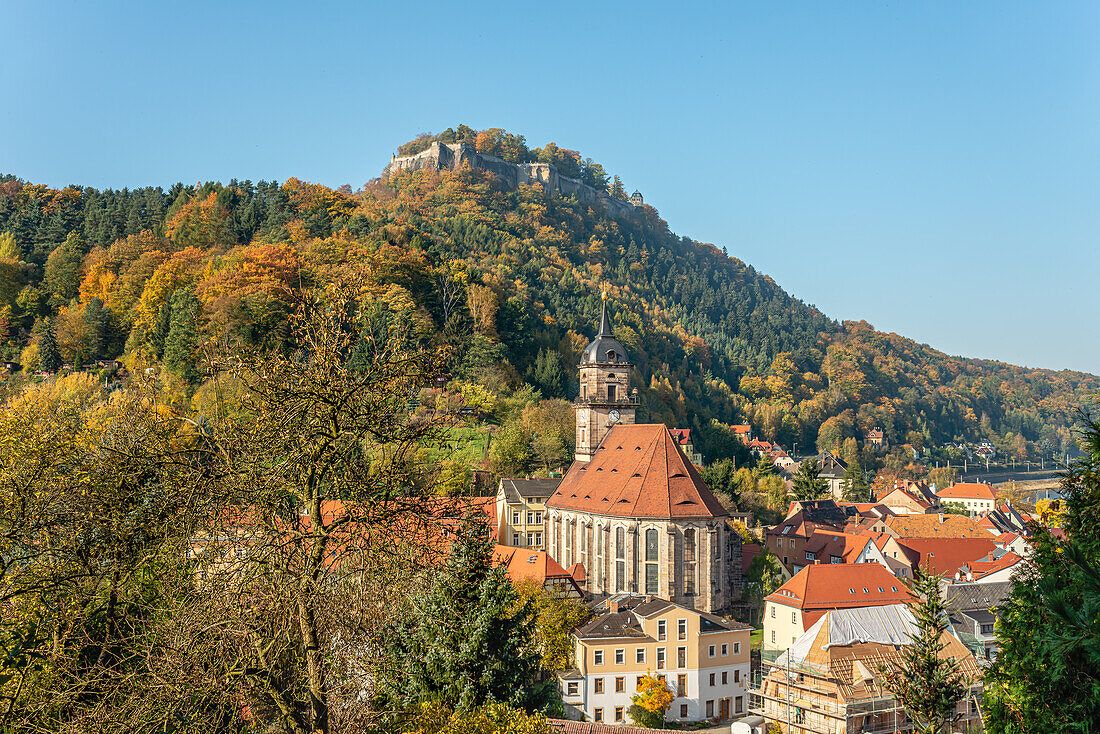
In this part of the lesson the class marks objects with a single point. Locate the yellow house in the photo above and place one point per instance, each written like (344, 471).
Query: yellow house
(703, 659)
(521, 511)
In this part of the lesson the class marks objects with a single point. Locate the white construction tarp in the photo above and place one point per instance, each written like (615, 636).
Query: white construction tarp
(890, 625)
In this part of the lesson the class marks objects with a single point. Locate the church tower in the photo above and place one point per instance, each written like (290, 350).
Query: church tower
(605, 398)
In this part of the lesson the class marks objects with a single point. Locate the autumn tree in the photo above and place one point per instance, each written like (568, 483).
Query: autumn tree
(555, 619)
(650, 704)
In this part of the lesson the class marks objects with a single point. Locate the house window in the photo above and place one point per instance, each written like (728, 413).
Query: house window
(598, 682)
(794, 617)
(681, 657)
(725, 680)
(726, 648)
(773, 611)
(736, 676)
(681, 685)
(773, 635)
(639, 655)
(711, 651)
(620, 684)
(681, 629)
(987, 629)
(515, 517)
(530, 518)
(810, 556)
(515, 539)
(712, 679)
(638, 682)
(618, 713)
(651, 561)
(597, 714)
(620, 656)
(738, 705)
(661, 629)
(710, 709)
(571, 688)
(683, 710)
(736, 648)
(597, 657)
(660, 658)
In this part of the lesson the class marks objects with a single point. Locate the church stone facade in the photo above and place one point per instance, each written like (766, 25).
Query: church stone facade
(632, 509)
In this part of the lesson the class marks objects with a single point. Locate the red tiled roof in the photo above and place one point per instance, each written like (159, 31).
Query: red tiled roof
(638, 471)
(823, 586)
(749, 551)
(828, 543)
(969, 491)
(741, 429)
(980, 569)
(945, 555)
(563, 726)
(528, 564)
(682, 435)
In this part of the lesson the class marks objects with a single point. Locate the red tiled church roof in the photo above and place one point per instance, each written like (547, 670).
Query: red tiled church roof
(968, 490)
(638, 471)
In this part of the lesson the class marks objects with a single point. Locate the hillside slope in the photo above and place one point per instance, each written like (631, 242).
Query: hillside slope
(510, 279)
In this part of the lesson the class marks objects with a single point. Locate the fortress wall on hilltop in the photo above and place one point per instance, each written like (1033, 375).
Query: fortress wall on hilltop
(452, 156)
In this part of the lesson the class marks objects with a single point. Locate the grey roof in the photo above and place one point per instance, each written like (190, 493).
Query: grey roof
(517, 489)
(980, 616)
(636, 604)
(605, 348)
(611, 626)
(966, 597)
(831, 466)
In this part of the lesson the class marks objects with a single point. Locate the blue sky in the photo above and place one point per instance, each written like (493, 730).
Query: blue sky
(932, 167)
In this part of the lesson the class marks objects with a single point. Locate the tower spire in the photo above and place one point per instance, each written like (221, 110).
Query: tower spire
(605, 325)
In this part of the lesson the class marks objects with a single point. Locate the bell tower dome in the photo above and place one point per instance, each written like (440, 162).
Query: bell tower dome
(605, 397)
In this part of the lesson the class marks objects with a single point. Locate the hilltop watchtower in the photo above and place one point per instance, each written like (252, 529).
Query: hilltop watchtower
(636, 198)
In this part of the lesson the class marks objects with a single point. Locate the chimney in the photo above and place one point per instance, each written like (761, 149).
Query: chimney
(648, 598)
(941, 518)
(613, 606)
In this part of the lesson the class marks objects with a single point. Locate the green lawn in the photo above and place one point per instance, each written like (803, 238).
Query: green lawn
(756, 639)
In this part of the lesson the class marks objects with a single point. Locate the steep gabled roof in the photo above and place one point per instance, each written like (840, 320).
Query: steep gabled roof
(826, 544)
(527, 564)
(638, 471)
(516, 490)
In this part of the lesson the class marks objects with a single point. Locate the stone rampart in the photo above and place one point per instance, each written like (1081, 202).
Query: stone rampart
(452, 156)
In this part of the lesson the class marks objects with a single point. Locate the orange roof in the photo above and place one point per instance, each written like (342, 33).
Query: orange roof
(638, 471)
(824, 586)
(831, 543)
(936, 526)
(968, 491)
(527, 564)
(946, 555)
(980, 569)
(741, 429)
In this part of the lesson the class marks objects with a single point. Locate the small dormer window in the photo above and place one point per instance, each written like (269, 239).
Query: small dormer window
(851, 591)
(611, 355)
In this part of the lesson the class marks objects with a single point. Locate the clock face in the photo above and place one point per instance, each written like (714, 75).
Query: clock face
(613, 416)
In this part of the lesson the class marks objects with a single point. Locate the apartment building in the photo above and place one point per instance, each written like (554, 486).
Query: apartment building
(521, 511)
(702, 658)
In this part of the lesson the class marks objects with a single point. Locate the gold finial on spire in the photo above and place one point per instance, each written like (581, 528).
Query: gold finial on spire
(603, 295)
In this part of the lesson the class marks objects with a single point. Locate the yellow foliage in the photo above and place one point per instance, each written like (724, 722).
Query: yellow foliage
(653, 695)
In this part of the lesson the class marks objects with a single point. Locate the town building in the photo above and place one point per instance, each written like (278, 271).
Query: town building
(903, 501)
(972, 614)
(875, 437)
(702, 658)
(832, 471)
(521, 511)
(527, 565)
(1006, 519)
(682, 437)
(787, 540)
(939, 555)
(796, 605)
(939, 525)
(632, 509)
(830, 680)
(976, 497)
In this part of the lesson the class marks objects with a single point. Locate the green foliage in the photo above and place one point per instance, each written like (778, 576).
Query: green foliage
(721, 476)
(1047, 673)
(855, 486)
(808, 484)
(650, 703)
(547, 374)
(556, 618)
(925, 682)
(466, 641)
(955, 508)
(49, 357)
(182, 342)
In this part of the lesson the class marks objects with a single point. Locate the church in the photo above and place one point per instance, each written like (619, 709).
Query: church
(632, 508)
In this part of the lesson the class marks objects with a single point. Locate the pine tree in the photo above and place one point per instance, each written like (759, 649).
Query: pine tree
(469, 641)
(49, 357)
(927, 684)
(182, 343)
(765, 467)
(854, 484)
(808, 484)
(548, 374)
(97, 322)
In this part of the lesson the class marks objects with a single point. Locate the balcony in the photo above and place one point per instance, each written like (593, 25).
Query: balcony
(602, 400)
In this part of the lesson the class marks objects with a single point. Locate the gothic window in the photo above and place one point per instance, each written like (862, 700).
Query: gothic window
(689, 562)
(599, 559)
(651, 556)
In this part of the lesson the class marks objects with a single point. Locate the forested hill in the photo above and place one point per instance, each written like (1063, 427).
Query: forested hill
(511, 281)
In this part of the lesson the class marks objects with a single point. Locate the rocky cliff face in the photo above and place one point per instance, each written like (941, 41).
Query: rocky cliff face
(455, 155)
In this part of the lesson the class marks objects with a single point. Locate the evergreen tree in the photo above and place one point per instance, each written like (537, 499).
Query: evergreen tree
(548, 374)
(182, 343)
(721, 476)
(49, 357)
(96, 319)
(1047, 674)
(854, 484)
(765, 467)
(925, 682)
(808, 484)
(468, 642)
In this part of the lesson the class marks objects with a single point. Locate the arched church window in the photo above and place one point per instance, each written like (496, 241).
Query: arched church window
(689, 562)
(651, 563)
(620, 559)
